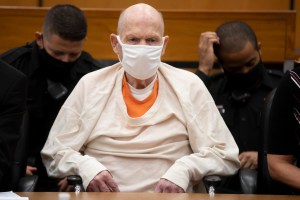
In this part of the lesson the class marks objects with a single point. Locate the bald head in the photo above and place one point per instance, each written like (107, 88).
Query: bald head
(140, 13)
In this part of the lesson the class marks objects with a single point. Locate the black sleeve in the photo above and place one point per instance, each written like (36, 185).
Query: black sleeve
(281, 138)
(206, 79)
(13, 93)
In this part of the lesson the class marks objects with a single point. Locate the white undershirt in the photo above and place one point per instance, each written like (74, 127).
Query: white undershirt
(141, 94)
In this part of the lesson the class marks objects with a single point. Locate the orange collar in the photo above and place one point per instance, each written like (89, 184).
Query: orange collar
(136, 108)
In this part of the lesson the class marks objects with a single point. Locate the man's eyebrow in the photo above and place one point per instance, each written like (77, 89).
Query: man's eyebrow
(57, 51)
(63, 52)
(251, 60)
(54, 50)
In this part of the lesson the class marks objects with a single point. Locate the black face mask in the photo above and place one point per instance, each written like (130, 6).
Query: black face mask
(246, 81)
(55, 69)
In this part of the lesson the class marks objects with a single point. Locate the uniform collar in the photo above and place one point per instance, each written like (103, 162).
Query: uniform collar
(266, 78)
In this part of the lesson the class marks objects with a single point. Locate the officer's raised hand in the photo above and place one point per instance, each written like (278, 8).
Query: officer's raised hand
(206, 51)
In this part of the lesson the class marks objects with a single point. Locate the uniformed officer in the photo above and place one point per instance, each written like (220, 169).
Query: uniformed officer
(240, 91)
(53, 64)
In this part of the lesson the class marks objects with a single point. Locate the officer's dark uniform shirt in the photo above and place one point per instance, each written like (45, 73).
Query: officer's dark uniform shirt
(285, 123)
(241, 110)
(42, 107)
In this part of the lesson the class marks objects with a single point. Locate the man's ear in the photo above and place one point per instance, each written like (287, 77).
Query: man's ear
(259, 47)
(39, 39)
(165, 45)
(114, 42)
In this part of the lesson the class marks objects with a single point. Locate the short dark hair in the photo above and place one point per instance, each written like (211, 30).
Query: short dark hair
(66, 21)
(233, 37)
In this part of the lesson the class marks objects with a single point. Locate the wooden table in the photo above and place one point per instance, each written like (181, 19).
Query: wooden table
(151, 196)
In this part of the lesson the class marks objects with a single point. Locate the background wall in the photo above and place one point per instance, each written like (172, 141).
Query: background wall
(233, 5)
(163, 4)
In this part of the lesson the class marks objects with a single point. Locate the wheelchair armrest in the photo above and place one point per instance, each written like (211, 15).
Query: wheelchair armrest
(248, 180)
(211, 181)
(27, 183)
(76, 182)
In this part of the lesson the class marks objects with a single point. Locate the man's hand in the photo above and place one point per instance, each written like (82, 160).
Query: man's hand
(63, 186)
(30, 170)
(103, 182)
(206, 51)
(165, 186)
(248, 159)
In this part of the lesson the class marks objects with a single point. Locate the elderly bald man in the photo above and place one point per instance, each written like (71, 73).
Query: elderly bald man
(140, 125)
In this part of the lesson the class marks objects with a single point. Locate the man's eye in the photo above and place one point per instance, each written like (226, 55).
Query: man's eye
(152, 41)
(74, 55)
(133, 40)
(250, 64)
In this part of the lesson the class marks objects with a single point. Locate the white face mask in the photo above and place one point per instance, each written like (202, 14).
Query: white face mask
(140, 61)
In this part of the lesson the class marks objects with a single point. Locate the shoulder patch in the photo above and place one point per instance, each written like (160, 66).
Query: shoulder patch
(274, 72)
(13, 54)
